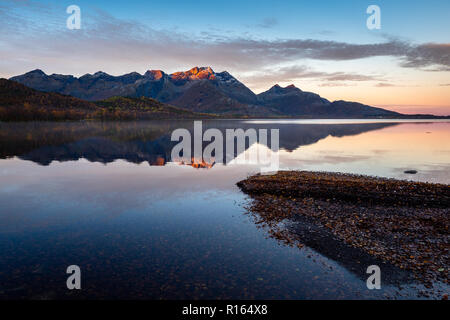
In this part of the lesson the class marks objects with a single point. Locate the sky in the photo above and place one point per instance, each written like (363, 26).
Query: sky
(319, 46)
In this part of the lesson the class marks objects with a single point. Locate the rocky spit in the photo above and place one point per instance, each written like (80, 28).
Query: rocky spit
(402, 223)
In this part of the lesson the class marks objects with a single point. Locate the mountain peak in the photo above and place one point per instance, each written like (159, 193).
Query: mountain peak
(37, 72)
(279, 89)
(196, 73)
(197, 70)
(100, 74)
(292, 88)
(154, 74)
(275, 88)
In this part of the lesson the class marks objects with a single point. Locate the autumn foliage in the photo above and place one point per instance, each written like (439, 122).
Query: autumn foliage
(20, 103)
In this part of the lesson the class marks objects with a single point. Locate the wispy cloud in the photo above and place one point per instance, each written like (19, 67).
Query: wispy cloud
(411, 56)
(268, 23)
(296, 72)
(335, 84)
(390, 85)
(117, 45)
(384, 85)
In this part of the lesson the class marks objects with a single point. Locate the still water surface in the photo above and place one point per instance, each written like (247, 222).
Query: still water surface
(106, 197)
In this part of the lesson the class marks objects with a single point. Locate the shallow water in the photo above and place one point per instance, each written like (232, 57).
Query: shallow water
(106, 197)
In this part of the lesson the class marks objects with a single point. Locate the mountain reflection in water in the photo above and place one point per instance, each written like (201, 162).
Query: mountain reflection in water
(145, 141)
(108, 197)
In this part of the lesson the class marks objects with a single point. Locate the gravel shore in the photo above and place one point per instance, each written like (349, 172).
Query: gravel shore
(403, 223)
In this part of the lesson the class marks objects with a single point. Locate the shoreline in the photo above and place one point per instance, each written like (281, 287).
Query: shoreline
(401, 223)
(245, 118)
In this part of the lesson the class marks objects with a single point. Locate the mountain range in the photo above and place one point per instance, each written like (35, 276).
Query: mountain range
(201, 90)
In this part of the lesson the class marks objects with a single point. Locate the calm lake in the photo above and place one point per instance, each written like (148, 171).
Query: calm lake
(106, 197)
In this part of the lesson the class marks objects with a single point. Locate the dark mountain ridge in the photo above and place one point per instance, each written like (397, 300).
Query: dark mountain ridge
(205, 91)
(200, 90)
(19, 102)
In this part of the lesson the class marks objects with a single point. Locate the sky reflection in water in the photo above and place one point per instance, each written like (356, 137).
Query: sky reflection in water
(85, 194)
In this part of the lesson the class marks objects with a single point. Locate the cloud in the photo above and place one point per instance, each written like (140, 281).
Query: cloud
(268, 23)
(390, 85)
(291, 73)
(335, 84)
(118, 46)
(342, 76)
(324, 32)
(437, 54)
(411, 56)
(384, 85)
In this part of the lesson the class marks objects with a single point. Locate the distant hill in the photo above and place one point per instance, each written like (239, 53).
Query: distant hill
(202, 90)
(19, 102)
(295, 102)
